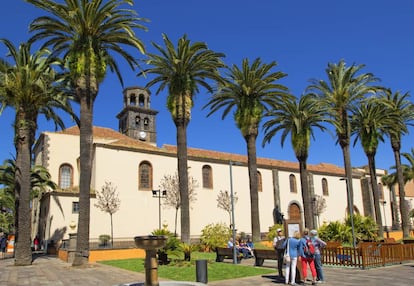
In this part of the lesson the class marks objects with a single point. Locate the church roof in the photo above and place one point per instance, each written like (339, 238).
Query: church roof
(113, 139)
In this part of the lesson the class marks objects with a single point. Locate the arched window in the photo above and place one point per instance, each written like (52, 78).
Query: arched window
(207, 177)
(146, 123)
(65, 176)
(292, 182)
(145, 176)
(325, 190)
(133, 100)
(259, 182)
(141, 100)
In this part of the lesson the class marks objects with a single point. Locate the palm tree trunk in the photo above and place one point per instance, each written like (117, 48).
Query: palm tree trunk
(394, 208)
(254, 195)
(86, 141)
(183, 179)
(23, 251)
(401, 185)
(306, 197)
(374, 187)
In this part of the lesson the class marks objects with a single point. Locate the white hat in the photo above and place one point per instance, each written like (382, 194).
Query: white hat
(278, 230)
(314, 232)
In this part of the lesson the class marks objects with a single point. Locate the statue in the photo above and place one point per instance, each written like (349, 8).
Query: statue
(277, 216)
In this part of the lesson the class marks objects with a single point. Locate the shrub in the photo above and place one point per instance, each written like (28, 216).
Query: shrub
(272, 231)
(104, 239)
(215, 235)
(172, 243)
(364, 228)
(187, 249)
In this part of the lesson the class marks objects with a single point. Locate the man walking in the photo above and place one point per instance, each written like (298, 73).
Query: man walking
(278, 245)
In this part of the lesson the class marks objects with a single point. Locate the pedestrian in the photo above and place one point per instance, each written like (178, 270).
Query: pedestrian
(3, 245)
(36, 243)
(231, 244)
(319, 244)
(307, 254)
(278, 242)
(292, 249)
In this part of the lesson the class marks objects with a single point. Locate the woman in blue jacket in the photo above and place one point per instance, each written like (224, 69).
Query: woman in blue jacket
(292, 246)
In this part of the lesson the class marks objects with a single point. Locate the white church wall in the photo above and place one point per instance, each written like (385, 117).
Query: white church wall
(139, 210)
(61, 149)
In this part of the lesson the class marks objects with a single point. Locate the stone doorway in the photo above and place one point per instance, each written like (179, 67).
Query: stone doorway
(294, 212)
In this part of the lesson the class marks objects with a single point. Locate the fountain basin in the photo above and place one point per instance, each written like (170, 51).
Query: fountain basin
(150, 242)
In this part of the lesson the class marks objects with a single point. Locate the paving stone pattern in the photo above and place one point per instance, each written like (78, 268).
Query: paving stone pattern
(49, 270)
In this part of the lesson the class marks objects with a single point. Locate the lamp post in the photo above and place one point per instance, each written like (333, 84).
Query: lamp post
(159, 194)
(231, 163)
(385, 218)
(351, 210)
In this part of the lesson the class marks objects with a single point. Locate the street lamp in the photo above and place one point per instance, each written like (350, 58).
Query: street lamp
(351, 210)
(231, 163)
(159, 194)
(385, 218)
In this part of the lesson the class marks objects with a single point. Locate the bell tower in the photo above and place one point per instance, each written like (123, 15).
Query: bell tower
(137, 119)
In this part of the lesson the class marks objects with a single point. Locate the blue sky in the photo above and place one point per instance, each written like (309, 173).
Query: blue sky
(302, 36)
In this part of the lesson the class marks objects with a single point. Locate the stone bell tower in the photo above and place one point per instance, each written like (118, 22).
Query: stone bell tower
(137, 119)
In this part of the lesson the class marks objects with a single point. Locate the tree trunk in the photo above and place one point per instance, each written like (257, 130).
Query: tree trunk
(394, 208)
(112, 232)
(254, 196)
(23, 141)
(306, 197)
(374, 187)
(86, 143)
(183, 180)
(401, 191)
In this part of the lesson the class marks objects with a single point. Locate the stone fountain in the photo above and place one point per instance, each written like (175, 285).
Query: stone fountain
(151, 243)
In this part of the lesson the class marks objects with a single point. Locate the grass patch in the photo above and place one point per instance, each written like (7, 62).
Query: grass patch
(180, 270)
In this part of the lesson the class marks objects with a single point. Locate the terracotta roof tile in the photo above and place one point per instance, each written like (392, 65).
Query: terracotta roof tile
(110, 137)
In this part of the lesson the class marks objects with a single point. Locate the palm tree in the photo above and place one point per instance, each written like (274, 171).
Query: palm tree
(399, 104)
(7, 200)
(368, 123)
(297, 118)
(29, 88)
(408, 168)
(87, 34)
(343, 89)
(390, 181)
(40, 182)
(250, 90)
(182, 70)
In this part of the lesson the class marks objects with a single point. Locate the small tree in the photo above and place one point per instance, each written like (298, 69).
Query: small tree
(215, 235)
(169, 183)
(224, 202)
(108, 201)
(319, 206)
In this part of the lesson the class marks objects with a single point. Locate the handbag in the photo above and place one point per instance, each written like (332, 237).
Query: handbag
(286, 257)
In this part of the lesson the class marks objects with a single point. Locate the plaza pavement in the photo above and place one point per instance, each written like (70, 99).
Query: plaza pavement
(49, 270)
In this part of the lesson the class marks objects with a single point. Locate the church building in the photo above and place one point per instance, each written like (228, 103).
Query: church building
(131, 161)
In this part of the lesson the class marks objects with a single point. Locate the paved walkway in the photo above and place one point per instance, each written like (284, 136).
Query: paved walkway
(49, 270)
